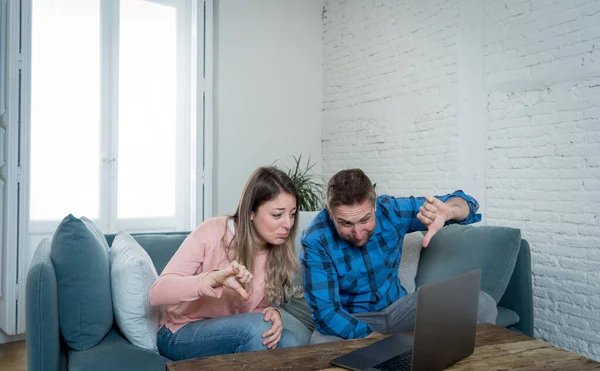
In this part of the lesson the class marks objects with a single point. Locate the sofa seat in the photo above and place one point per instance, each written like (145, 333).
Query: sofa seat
(114, 352)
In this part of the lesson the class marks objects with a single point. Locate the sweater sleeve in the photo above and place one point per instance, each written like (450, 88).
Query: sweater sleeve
(179, 282)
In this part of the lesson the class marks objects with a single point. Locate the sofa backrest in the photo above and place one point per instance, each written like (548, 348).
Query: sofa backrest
(304, 219)
(160, 246)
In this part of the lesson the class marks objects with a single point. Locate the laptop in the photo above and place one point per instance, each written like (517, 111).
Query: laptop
(444, 331)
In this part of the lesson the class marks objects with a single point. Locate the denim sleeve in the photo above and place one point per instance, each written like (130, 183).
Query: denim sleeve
(406, 210)
(321, 290)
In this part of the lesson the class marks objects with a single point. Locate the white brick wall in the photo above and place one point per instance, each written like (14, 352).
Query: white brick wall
(542, 72)
(390, 81)
(394, 106)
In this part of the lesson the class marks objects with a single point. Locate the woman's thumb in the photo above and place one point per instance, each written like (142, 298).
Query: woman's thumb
(235, 267)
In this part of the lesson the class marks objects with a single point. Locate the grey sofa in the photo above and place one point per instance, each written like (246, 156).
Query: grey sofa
(47, 350)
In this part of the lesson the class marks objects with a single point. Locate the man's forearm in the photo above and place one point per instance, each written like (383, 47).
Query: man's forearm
(459, 209)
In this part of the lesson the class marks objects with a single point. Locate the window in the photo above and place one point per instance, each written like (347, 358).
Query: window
(108, 116)
(111, 111)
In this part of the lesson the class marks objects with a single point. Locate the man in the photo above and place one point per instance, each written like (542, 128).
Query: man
(351, 253)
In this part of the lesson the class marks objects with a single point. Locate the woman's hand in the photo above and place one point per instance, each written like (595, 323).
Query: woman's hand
(272, 335)
(234, 277)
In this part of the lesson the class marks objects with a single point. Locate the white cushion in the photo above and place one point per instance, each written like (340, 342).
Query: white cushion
(409, 261)
(132, 274)
(303, 219)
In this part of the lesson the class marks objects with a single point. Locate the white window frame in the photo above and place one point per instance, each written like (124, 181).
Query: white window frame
(203, 140)
(186, 197)
(16, 192)
(16, 248)
(109, 221)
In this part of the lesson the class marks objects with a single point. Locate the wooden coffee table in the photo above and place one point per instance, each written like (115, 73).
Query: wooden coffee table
(496, 348)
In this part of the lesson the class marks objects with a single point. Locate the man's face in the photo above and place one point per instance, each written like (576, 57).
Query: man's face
(354, 223)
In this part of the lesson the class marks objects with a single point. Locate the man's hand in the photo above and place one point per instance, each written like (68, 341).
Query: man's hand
(434, 214)
(272, 335)
(372, 334)
(234, 276)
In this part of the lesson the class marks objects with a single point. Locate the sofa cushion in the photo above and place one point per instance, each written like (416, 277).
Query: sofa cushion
(83, 281)
(506, 317)
(293, 324)
(95, 231)
(115, 353)
(303, 220)
(458, 249)
(409, 261)
(298, 307)
(132, 275)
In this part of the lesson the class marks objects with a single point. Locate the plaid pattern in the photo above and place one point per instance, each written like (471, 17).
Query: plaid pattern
(340, 279)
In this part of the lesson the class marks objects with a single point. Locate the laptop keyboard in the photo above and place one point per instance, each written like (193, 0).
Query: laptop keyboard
(398, 363)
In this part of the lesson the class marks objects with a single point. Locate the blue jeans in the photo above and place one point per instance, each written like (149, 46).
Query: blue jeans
(225, 335)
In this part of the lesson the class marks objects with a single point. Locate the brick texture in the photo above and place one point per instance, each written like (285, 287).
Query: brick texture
(542, 72)
(391, 106)
(389, 87)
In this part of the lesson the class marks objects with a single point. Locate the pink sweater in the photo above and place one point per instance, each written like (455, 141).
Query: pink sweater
(181, 286)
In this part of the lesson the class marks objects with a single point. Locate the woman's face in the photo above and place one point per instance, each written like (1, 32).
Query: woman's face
(274, 219)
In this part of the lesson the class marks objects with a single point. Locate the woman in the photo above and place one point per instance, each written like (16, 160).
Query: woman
(222, 285)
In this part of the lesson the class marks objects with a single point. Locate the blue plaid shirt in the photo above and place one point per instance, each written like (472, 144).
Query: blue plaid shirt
(340, 278)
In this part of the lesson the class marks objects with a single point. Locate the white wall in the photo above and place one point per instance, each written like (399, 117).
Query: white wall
(268, 89)
(390, 94)
(498, 97)
(543, 155)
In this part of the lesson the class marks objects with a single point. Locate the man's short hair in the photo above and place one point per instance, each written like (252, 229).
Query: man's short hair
(349, 187)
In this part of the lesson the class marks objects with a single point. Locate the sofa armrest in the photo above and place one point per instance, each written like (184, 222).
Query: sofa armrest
(519, 292)
(43, 334)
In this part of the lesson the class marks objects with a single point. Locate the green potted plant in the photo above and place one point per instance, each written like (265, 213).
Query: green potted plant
(311, 191)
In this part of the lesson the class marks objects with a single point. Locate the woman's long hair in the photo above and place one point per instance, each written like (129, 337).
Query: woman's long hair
(265, 184)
